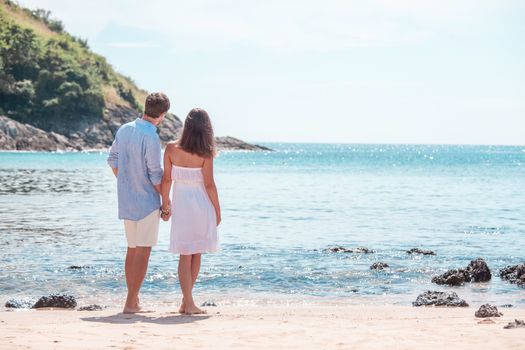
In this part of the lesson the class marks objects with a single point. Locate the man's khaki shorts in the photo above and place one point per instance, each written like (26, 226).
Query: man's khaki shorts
(143, 233)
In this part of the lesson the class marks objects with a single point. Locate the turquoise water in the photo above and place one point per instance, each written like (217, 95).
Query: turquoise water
(280, 210)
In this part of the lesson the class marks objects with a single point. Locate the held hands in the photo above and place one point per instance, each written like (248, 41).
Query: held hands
(165, 211)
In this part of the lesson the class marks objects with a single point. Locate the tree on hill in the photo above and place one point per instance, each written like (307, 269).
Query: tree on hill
(53, 78)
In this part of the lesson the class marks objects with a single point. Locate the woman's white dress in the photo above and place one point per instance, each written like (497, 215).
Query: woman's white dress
(193, 220)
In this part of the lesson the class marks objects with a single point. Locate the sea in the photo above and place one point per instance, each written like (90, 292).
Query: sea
(282, 210)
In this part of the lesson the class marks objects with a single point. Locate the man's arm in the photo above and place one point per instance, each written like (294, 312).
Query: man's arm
(153, 159)
(113, 156)
(157, 188)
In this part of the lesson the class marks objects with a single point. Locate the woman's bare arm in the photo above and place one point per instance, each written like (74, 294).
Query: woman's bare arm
(166, 182)
(211, 189)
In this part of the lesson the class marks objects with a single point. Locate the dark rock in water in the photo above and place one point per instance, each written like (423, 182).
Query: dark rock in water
(479, 271)
(420, 251)
(506, 305)
(379, 266)
(514, 274)
(362, 250)
(58, 301)
(488, 310)
(454, 277)
(22, 303)
(78, 267)
(92, 307)
(340, 249)
(435, 298)
(476, 271)
(209, 303)
(515, 324)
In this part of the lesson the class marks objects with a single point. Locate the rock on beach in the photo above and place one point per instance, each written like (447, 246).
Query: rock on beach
(435, 298)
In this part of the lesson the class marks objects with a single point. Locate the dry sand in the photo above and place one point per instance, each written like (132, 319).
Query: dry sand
(269, 326)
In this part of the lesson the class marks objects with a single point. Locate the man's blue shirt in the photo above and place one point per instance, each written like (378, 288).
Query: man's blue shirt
(136, 152)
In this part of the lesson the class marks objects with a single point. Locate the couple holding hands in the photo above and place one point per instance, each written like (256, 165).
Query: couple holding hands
(143, 188)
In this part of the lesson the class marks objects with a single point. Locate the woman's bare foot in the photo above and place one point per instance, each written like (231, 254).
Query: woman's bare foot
(136, 310)
(193, 310)
(182, 307)
(131, 309)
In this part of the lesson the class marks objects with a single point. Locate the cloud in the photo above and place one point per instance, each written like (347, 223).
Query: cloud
(204, 25)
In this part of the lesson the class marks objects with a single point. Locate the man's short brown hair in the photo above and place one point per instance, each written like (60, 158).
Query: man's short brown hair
(156, 104)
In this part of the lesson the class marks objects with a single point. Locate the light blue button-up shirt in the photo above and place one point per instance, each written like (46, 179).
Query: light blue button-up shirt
(136, 152)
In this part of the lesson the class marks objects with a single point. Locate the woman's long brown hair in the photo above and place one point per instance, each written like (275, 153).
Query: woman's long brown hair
(197, 134)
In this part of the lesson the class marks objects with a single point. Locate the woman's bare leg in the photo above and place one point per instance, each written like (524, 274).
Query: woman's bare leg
(186, 284)
(195, 268)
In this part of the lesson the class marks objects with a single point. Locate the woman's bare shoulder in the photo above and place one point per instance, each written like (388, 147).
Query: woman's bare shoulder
(172, 146)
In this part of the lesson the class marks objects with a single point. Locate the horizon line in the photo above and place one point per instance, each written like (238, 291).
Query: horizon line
(386, 143)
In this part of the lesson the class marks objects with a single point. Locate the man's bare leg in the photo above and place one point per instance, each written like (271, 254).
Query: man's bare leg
(136, 269)
(130, 255)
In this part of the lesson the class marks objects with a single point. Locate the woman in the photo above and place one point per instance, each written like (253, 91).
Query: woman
(195, 209)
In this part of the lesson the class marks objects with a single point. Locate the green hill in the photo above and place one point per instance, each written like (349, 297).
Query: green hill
(56, 94)
(49, 75)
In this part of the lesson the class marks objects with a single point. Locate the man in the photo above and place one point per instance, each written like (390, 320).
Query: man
(135, 158)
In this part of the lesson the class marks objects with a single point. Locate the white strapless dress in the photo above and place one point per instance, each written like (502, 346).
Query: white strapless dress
(193, 220)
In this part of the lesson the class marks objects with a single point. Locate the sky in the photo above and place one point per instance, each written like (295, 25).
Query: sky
(349, 71)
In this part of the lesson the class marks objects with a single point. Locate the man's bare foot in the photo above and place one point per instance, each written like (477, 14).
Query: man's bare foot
(193, 310)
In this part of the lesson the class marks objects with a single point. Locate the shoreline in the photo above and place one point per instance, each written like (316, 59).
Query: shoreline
(156, 299)
(327, 325)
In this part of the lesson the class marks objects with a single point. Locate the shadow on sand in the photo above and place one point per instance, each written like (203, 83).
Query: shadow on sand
(121, 318)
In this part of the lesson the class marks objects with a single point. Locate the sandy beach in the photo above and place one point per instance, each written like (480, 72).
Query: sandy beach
(263, 326)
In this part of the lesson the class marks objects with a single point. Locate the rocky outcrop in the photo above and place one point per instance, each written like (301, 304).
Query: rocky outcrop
(435, 298)
(476, 271)
(15, 136)
(454, 277)
(488, 310)
(379, 266)
(420, 251)
(479, 271)
(209, 303)
(516, 324)
(56, 301)
(85, 133)
(231, 143)
(92, 307)
(514, 274)
(340, 249)
(22, 303)
(78, 267)
(170, 129)
(80, 134)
